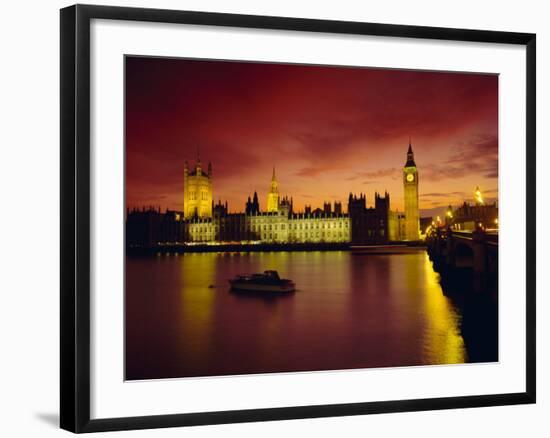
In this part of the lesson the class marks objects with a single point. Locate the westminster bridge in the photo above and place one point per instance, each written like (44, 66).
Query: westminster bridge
(461, 253)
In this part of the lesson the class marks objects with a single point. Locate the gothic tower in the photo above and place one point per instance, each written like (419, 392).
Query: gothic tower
(197, 191)
(410, 183)
(273, 195)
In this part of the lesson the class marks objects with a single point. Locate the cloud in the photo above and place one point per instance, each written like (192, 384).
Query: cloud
(433, 211)
(345, 126)
(313, 171)
(477, 156)
(458, 194)
(434, 195)
(391, 172)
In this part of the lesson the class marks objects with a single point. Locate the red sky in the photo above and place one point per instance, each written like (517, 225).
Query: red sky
(327, 130)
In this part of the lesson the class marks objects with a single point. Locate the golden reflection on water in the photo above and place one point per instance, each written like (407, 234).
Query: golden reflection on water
(349, 311)
(197, 304)
(443, 341)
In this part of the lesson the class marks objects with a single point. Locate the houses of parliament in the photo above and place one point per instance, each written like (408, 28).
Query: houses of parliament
(202, 221)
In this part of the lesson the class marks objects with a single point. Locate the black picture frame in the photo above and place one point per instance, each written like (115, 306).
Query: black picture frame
(75, 217)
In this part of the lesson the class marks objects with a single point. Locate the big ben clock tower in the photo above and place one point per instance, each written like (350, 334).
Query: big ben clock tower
(410, 183)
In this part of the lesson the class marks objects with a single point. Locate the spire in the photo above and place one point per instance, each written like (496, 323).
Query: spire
(410, 156)
(478, 197)
(273, 177)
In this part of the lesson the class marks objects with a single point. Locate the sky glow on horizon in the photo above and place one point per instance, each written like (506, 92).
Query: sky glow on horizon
(327, 130)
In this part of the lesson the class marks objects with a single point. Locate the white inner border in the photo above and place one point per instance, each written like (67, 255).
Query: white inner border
(112, 397)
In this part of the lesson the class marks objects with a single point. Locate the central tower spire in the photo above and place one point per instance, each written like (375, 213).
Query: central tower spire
(273, 195)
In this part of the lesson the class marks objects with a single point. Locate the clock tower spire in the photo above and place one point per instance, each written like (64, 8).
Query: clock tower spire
(410, 183)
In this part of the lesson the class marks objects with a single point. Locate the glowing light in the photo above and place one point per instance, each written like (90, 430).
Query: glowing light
(478, 196)
(442, 341)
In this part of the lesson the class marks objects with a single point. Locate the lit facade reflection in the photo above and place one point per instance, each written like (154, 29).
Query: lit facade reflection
(350, 311)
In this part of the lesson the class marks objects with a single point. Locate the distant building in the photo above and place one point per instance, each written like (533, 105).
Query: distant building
(405, 226)
(253, 206)
(197, 191)
(202, 221)
(273, 195)
(279, 224)
(149, 227)
(369, 225)
(410, 182)
(469, 217)
(396, 226)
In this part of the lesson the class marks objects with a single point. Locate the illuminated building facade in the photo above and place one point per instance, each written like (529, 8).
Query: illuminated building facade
(273, 195)
(197, 191)
(396, 226)
(281, 226)
(410, 183)
(202, 221)
(469, 217)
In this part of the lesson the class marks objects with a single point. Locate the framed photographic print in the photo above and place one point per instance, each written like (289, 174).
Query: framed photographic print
(272, 218)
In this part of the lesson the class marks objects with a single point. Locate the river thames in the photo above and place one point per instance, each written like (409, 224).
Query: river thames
(349, 311)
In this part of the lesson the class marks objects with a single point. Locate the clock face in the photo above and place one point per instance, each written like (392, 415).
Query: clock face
(410, 177)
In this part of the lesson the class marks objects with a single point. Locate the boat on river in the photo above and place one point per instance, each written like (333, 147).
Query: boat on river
(269, 281)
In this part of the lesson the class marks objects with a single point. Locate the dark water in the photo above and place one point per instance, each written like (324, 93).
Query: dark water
(350, 311)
